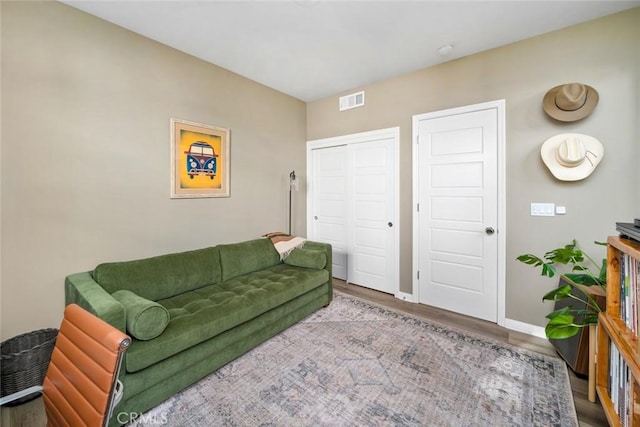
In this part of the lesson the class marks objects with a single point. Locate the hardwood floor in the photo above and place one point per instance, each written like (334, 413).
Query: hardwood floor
(589, 414)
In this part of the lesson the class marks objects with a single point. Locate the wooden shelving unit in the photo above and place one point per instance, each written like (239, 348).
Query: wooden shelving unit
(618, 369)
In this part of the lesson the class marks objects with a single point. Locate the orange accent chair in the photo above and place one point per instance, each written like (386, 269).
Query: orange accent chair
(81, 386)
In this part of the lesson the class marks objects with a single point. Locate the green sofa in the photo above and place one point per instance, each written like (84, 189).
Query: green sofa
(192, 312)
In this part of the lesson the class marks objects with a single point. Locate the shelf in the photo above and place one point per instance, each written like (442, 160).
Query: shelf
(622, 338)
(627, 246)
(619, 379)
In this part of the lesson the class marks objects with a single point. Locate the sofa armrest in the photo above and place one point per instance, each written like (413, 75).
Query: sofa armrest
(326, 248)
(80, 288)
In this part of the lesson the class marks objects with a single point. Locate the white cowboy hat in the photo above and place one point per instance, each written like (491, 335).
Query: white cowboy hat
(570, 102)
(571, 156)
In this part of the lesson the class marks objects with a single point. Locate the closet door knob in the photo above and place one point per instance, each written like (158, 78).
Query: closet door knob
(390, 224)
(489, 230)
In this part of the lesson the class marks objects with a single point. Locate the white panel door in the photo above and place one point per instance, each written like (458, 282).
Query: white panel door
(329, 202)
(456, 168)
(371, 212)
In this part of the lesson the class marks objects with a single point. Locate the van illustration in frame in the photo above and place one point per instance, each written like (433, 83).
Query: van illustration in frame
(199, 160)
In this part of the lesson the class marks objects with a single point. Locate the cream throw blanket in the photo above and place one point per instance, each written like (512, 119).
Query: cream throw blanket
(285, 243)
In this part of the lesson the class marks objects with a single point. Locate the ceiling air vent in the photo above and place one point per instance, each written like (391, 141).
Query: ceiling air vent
(351, 101)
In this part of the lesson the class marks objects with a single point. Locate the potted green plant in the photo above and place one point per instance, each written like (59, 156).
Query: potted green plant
(585, 271)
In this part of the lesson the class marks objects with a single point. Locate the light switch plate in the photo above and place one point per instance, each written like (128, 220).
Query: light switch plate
(543, 209)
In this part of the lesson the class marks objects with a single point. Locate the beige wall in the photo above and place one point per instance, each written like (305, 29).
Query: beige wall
(602, 53)
(85, 154)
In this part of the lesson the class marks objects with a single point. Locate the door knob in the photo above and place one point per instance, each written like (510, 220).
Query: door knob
(315, 217)
(390, 224)
(489, 230)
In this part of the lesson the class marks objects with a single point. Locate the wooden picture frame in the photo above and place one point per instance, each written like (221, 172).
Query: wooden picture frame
(199, 160)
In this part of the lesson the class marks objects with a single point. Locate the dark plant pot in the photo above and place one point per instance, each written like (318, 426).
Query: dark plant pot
(575, 350)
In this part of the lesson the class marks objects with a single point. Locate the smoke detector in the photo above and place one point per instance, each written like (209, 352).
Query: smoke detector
(445, 49)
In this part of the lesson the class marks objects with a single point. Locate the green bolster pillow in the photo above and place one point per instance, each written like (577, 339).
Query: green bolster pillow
(145, 319)
(308, 258)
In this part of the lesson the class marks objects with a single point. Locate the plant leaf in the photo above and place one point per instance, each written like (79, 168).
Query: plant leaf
(603, 272)
(534, 261)
(530, 259)
(557, 293)
(565, 254)
(560, 332)
(548, 270)
(583, 279)
(564, 310)
(561, 327)
(591, 319)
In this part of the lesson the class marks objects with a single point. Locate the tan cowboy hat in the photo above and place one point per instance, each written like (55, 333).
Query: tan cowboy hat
(571, 156)
(570, 102)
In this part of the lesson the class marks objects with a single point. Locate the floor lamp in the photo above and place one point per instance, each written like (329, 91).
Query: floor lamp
(293, 183)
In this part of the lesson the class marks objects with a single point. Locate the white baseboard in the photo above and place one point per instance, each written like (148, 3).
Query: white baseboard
(514, 325)
(525, 328)
(405, 297)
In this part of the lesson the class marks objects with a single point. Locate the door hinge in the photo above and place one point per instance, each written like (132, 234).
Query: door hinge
(418, 274)
(417, 207)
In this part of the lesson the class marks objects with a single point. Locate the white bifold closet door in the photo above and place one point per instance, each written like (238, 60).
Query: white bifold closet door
(352, 205)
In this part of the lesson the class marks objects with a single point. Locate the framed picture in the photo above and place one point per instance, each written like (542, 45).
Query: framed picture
(199, 160)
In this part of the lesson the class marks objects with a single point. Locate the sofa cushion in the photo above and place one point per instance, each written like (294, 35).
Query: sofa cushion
(237, 259)
(202, 314)
(162, 276)
(307, 258)
(145, 319)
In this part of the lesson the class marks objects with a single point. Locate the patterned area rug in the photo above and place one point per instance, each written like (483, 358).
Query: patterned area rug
(355, 363)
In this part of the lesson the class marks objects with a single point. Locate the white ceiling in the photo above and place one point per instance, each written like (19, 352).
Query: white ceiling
(310, 49)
